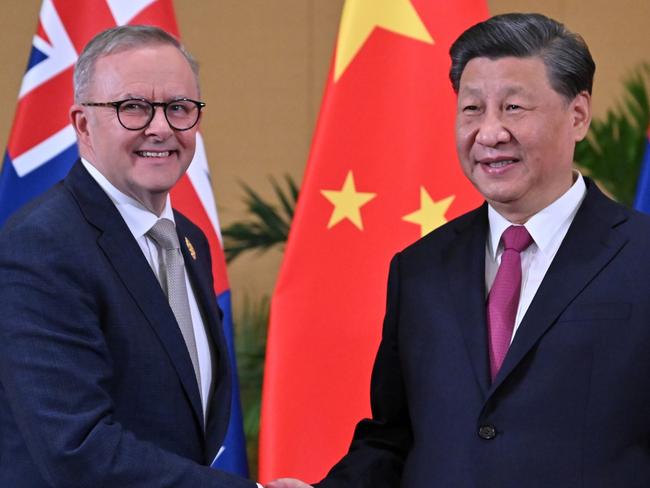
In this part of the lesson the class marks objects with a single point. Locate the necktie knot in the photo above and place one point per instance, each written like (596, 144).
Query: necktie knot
(516, 238)
(164, 233)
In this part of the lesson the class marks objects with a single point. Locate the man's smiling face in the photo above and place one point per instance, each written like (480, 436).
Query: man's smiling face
(516, 135)
(144, 164)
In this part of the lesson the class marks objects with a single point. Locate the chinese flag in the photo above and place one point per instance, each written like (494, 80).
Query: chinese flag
(382, 172)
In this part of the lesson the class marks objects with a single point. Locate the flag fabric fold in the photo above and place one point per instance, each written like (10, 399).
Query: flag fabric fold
(42, 146)
(642, 199)
(382, 172)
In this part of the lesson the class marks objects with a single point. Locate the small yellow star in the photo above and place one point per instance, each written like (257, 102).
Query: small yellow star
(360, 18)
(347, 202)
(430, 215)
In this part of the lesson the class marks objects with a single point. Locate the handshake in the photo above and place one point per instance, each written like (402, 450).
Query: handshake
(287, 483)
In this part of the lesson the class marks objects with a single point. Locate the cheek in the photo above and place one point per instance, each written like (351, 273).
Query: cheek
(464, 140)
(187, 139)
(115, 139)
(542, 135)
(542, 148)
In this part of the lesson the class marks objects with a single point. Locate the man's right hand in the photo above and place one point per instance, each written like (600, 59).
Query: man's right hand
(287, 483)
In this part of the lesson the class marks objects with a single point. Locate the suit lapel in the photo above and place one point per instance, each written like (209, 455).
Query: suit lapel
(590, 244)
(126, 257)
(465, 268)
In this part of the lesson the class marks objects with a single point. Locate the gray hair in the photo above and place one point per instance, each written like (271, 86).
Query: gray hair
(118, 39)
(569, 65)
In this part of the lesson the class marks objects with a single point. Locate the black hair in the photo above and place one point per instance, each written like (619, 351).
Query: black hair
(570, 67)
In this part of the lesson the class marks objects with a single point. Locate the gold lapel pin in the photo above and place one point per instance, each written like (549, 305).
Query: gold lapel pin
(190, 248)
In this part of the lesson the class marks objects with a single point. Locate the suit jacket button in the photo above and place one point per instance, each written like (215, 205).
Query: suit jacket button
(487, 432)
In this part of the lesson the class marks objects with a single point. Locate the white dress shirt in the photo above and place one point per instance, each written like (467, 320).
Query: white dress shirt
(139, 220)
(547, 228)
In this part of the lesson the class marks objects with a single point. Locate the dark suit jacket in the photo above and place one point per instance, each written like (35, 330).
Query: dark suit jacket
(96, 385)
(570, 406)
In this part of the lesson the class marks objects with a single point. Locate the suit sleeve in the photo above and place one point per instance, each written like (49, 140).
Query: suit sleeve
(380, 444)
(56, 372)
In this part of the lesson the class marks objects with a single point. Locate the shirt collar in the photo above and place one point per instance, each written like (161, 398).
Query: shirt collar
(138, 218)
(544, 225)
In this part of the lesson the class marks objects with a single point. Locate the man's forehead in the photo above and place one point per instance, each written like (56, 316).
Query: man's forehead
(159, 49)
(162, 63)
(511, 74)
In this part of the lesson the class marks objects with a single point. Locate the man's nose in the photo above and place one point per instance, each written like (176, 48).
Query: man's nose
(158, 124)
(492, 130)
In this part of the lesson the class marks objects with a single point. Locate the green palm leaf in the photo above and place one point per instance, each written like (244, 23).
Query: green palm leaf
(268, 224)
(613, 149)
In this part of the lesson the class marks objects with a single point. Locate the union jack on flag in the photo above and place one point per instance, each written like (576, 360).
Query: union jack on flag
(42, 146)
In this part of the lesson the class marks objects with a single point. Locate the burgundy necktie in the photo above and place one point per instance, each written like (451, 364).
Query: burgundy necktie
(503, 298)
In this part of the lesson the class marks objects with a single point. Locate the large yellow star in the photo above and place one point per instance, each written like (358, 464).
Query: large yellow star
(347, 202)
(359, 19)
(430, 215)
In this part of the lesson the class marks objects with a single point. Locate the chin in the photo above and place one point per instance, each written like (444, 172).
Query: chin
(159, 186)
(500, 191)
(500, 198)
(162, 178)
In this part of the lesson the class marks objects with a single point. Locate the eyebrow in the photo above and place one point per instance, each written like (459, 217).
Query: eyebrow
(130, 95)
(510, 90)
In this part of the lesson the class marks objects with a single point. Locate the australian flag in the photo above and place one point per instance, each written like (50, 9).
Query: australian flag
(42, 147)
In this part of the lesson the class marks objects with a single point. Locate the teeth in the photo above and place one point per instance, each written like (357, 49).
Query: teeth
(154, 154)
(500, 164)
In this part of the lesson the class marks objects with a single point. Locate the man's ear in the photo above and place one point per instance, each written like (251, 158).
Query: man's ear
(581, 113)
(79, 120)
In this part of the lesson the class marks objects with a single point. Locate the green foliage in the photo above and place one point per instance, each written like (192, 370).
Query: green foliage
(268, 224)
(250, 345)
(613, 150)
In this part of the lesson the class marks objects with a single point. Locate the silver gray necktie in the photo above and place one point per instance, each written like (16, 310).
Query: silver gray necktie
(172, 280)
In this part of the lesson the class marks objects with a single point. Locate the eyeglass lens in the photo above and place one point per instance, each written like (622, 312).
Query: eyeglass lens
(136, 114)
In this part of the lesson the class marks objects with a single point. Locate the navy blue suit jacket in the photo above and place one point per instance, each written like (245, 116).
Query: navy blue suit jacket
(570, 406)
(96, 384)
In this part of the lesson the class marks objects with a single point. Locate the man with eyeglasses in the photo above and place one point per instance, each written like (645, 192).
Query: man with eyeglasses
(113, 365)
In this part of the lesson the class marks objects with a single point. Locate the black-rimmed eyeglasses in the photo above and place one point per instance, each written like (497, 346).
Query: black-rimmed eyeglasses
(137, 113)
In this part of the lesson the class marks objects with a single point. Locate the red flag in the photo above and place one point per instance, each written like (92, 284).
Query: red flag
(383, 172)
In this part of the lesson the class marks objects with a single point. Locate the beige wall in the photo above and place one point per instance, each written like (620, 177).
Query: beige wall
(264, 64)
